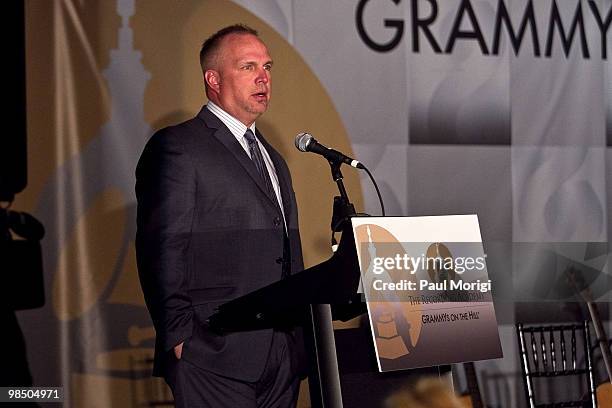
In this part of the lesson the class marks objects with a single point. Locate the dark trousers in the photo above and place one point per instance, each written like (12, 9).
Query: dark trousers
(278, 387)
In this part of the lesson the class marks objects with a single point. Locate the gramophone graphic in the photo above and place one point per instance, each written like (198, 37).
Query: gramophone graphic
(396, 322)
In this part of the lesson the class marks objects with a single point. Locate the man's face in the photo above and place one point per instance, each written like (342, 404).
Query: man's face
(244, 77)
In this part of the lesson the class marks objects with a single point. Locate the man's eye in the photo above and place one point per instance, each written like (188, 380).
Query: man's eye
(268, 67)
(247, 67)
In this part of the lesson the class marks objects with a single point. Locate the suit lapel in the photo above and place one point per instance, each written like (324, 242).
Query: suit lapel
(225, 137)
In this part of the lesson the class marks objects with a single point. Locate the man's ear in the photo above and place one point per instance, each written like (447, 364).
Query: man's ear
(212, 79)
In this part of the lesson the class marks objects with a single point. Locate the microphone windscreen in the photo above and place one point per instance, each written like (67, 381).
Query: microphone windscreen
(302, 141)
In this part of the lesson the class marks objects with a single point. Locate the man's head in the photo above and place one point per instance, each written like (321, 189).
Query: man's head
(236, 67)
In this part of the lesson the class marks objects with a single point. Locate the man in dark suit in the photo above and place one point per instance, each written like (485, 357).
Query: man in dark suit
(217, 218)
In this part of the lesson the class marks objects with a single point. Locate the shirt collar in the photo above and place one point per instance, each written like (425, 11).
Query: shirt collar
(235, 126)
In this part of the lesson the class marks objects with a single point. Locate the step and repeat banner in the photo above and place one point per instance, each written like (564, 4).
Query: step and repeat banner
(500, 108)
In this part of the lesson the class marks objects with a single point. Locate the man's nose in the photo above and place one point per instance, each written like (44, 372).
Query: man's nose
(263, 76)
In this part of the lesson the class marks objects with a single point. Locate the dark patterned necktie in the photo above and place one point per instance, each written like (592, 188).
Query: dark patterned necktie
(258, 159)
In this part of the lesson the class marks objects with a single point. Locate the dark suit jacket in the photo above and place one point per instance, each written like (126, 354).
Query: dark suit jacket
(207, 233)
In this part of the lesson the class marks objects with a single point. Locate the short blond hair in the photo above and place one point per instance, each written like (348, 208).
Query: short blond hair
(210, 48)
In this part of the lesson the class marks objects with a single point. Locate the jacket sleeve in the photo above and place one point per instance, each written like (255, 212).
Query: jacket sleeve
(165, 191)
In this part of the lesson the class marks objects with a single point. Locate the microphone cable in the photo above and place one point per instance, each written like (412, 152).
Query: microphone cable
(382, 205)
(334, 242)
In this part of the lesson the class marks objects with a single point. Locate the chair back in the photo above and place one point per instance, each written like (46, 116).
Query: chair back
(554, 351)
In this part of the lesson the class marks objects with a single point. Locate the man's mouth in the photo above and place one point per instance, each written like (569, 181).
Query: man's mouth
(261, 96)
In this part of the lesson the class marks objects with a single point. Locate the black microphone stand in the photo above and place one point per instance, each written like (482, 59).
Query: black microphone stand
(343, 209)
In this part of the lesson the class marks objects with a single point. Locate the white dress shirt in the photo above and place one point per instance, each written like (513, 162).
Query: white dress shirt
(238, 129)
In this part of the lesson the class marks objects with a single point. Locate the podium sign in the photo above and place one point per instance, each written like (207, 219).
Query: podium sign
(427, 289)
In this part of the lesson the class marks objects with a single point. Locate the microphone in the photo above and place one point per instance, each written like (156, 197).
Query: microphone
(305, 142)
